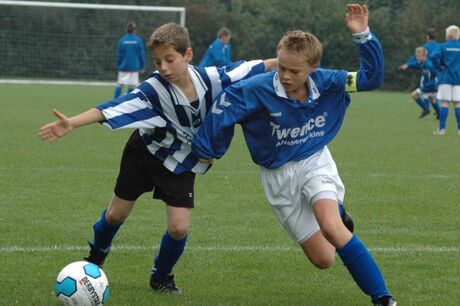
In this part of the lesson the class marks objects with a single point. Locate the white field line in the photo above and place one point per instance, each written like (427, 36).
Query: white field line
(223, 249)
(231, 172)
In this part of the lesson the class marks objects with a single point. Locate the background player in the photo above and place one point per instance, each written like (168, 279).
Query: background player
(219, 52)
(288, 117)
(426, 93)
(449, 77)
(130, 59)
(431, 45)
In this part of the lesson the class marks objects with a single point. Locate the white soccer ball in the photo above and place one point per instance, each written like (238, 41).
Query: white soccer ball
(82, 283)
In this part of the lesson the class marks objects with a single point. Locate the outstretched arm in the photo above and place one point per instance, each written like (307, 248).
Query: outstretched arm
(357, 18)
(63, 125)
(371, 63)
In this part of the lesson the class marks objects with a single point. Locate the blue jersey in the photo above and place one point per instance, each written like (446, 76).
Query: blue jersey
(130, 53)
(432, 47)
(428, 81)
(218, 54)
(278, 129)
(166, 120)
(449, 57)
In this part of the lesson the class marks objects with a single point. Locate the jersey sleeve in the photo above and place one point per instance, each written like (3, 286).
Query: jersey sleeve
(215, 134)
(240, 70)
(133, 110)
(371, 64)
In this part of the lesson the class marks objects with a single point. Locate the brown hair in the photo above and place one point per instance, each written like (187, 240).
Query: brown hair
(431, 33)
(170, 35)
(131, 27)
(304, 43)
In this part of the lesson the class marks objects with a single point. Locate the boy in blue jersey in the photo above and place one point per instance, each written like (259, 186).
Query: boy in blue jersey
(219, 52)
(288, 117)
(426, 93)
(431, 46)
(448, 56)
(130, 59)
(166, 111)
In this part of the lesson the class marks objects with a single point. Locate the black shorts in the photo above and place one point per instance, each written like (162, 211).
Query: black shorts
(141, 172)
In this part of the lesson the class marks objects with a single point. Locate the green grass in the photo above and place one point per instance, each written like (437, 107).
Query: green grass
(402, 189)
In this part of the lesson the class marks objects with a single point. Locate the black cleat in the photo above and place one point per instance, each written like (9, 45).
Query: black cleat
(424, 114)
(347, 220)
(96, 256)
(385, 301)
(165, 284)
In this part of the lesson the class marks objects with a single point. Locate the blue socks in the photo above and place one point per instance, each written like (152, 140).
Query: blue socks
(443, 117)
(170, 252)
(104, 233)
(424, 104)
(436, 106)
(117, 92)
(363, 268)
(457, 115)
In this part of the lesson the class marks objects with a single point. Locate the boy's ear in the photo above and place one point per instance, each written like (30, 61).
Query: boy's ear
(314, 67)
(188, 55)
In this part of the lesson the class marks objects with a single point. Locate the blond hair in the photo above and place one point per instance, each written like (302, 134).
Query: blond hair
(303, 43)
(170, 35)
(452, 32)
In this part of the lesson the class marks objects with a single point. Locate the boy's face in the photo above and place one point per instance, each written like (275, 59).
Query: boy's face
(293, 70)
(171, 65)
(226, 39)
(420, 56)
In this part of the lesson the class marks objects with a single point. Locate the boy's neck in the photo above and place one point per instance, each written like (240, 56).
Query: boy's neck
(185, 84)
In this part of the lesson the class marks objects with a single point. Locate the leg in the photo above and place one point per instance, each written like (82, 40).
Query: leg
(118, 90)
(171, 248)
(351, 250)
(443, 117)
(418, 99)
(319, 251)
(106, 228)
(457, 115)
(435, 104)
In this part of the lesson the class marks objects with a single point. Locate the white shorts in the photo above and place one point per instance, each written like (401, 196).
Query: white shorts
(291, 188)
(128, 78)
(425, 95)
(449, 93)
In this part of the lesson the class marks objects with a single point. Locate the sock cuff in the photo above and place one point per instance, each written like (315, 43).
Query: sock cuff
(352, 250)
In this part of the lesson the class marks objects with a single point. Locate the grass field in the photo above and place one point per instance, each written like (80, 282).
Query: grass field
(402, 188)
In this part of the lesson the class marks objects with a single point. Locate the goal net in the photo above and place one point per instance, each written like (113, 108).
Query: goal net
(71, 41)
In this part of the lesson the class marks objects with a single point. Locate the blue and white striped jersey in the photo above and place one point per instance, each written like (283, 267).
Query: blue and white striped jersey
(166, 120)
(278, 129)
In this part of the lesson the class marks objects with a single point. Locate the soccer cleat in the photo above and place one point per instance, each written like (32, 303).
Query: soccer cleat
(385, 301)
(439, 132)
(424, 114)
(164, 284)
(96, 256)
(347, 220)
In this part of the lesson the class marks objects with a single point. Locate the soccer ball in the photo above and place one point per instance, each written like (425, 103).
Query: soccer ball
(82, 283)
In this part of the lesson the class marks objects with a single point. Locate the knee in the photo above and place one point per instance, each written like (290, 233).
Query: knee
(178, 231)
(114, 217)
(323, 262)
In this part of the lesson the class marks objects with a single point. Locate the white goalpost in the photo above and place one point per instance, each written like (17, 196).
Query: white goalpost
(70, 43)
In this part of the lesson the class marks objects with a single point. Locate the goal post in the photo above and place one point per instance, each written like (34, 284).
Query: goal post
(71, 41)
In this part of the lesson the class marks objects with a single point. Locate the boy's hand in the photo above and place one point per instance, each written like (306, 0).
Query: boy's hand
(356, 18)
(56, 129)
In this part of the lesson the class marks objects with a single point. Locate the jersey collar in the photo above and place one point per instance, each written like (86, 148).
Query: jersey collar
(313, 92)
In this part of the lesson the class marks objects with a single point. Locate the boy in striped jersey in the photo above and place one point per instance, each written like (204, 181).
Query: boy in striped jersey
(166, 111)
